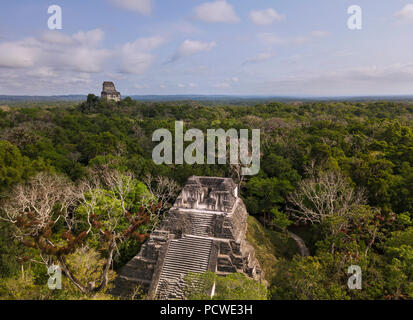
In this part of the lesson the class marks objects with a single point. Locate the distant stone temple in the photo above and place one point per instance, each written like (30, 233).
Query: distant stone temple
(109, 92)
(205, 230)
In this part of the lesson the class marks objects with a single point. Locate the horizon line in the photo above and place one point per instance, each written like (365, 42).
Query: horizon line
(218, 95)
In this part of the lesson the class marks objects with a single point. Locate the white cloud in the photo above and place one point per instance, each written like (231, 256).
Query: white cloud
(69, 61)
(149, 44)
(84, 59)
(140, 86)
(319, 34)
(398, 72)
(190, 47)
(368, 80)
(43, 72)
(17, 55)
(271, 39)
(56, 37)
(38, 81)
(189, 85)
(227, 83)
(136, 57)
(141, 6)
(217, 11)
(89, 38)
(79, 52)
(222, 85)
(406, 14)
(260, 58)
(266, 17)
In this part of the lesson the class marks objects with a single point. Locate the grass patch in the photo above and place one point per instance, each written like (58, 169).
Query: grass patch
(269, 246)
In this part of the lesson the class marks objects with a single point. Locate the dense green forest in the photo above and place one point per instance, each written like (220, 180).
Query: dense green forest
(338, 174)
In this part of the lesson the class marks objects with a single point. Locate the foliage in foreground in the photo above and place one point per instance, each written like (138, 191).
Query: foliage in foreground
(234, 286)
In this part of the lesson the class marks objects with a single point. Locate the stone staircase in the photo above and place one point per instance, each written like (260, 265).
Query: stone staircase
(187, 255)
(202, 224)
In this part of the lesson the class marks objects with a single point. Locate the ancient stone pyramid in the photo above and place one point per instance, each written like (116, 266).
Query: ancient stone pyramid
(204, 231)
(109, 91)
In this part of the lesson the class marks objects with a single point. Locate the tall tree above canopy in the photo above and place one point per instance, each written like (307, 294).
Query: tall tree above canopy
(322, 196)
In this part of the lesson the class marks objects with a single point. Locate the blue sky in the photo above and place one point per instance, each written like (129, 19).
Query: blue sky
(243, 47)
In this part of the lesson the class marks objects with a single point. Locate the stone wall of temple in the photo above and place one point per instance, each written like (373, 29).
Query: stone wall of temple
(109, 92)
(204, 231)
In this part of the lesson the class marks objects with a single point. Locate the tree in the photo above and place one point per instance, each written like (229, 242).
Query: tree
(265, 194)
(49, 211)
(398, 270)
(87, 266)
(163, 190)
(322, 196)
(310, 278)
(91, 103)
(13, 166)
(22, 288)
(326, 199)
